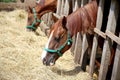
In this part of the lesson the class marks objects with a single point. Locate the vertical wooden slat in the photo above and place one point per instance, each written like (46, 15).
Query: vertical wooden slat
(111, 25)
(78, 44)
(73, 4)
(95, 39)
(116, 70)
(62, 8)
(66, 9)
(84, 48)
(78, 48)
(49, 19)
(85, 43)
(58, 7)
(74, 37)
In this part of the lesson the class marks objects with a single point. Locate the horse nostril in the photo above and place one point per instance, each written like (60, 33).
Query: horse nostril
(44, 61)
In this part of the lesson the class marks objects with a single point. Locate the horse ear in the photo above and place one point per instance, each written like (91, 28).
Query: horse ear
(41, 2)
(29, 9)
(64, 21)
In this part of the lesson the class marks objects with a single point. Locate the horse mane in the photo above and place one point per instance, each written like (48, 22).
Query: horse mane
(84, 19)
(46, 6)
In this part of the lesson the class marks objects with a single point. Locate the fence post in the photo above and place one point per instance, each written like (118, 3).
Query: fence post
(111, 25)
(78, 42)
(62, 8)
(85, 43)
(58, 7)
(66, 9)
(95, 39)
(74, 37)
(116, 70)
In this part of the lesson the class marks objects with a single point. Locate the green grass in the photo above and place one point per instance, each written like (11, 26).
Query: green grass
(7, 1)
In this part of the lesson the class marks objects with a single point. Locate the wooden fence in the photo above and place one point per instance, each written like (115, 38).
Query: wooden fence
(80, 43)
(107, 17)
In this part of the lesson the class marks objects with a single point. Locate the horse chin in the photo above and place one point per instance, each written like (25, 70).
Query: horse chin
(52, 64)
(30, 30)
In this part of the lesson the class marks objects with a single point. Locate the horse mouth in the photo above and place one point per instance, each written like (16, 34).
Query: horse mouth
(50, 62)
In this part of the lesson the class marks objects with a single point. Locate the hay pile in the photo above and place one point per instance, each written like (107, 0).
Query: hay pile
(20, 53)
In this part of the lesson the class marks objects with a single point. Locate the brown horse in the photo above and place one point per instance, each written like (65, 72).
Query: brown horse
(35, 14)
(60, 40)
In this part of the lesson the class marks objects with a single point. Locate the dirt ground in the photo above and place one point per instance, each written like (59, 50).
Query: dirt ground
(20, 53)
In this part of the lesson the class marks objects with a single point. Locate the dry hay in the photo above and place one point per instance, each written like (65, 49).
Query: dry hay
(20, 53)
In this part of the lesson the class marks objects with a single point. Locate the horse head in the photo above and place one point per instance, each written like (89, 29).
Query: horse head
(33, 19)
(59, 41)
(35, 13)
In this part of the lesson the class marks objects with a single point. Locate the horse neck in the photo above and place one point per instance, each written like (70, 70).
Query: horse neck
(49, 6)
(83, 20)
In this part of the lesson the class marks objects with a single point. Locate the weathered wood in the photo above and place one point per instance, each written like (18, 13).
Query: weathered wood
(111, 25)
(95, 39)
(102, 34)
(116, 70)
(73, 5)
(73, 44)
(56, 15)
(84, 48)
(66, 8)
(62, 8)
(74, 38)
(78, 42)
(113, 37)
(78, 48)
(49, 19)
(58, 7)
(85, 43)
(83, 2)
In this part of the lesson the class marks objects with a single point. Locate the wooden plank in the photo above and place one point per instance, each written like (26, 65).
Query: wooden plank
(116, 66)
(111, 25)
(95, 39)
(78, 48)
(58, 7)
(113, 37)
(84, 48)
(102, 34)
(62, 8)
(78, 44)
(66, 8)
(73, 5)
(56, 15)
(74, 38)
(83, 2)
(49, 19)
(73, 44)
(85, 43)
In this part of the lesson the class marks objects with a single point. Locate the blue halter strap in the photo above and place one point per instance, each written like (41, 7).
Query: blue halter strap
(35, 20)
(58, 51)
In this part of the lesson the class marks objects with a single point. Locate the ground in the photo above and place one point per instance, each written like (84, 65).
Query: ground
(20, 53)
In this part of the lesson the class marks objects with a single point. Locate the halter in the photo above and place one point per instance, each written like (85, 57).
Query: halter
(58, 51)
(35, 20)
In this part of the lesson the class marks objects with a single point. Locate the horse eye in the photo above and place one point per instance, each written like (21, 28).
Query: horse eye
(29, 18)
(57, 39)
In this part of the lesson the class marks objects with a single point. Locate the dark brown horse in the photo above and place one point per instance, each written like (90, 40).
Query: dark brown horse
(35, 14)
(60, 40)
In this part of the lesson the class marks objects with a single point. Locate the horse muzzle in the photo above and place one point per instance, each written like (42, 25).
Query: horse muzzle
(49, 62)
